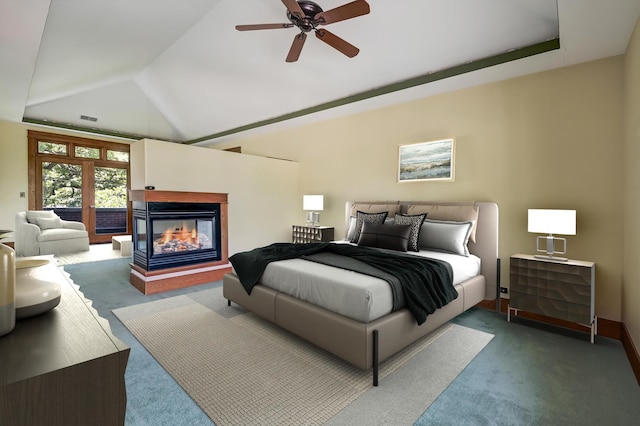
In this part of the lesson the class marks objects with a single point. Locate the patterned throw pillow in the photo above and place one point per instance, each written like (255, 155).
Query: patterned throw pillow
(416, 225)
(362, 217)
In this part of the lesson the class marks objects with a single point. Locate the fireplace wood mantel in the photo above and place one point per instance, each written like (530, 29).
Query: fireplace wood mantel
(151, 282)
(149, 195)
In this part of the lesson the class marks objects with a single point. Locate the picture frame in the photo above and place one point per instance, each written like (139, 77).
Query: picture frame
(427, 161)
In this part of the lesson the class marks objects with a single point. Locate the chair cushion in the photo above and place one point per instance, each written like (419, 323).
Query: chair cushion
(61, 234)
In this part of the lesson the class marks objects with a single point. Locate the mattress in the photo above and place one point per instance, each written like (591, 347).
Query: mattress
(360, 297)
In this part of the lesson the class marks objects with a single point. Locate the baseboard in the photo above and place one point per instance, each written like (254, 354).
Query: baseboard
(632, 352)
(606, 328)
(488, 304)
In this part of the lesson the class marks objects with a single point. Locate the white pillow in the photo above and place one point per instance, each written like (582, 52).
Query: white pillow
(352, 228)
(34, 215)
(445, 236)
(49, 223)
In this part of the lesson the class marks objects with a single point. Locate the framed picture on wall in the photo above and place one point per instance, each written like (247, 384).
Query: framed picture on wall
(426, 161)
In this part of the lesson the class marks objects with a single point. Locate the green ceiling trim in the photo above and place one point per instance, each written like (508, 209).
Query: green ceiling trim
(513, 55)
(91, 130)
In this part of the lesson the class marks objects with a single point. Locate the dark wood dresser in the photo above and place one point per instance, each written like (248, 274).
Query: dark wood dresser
(63, 367)
(561, 290)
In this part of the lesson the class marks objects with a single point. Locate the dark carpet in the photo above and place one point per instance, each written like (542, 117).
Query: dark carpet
(529, 374)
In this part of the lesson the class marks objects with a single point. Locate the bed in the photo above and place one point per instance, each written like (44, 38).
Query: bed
(367, 333)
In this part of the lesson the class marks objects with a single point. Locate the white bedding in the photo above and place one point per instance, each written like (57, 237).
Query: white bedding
(357, 296)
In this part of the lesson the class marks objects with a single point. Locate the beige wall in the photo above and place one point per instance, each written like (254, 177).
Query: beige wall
(263, 192)
(13, 172)
(568, 138)
(548, 140)
(631, 252)
(13, 168)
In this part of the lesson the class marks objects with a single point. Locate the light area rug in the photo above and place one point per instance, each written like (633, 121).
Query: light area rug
(242, 370)
(96, 253)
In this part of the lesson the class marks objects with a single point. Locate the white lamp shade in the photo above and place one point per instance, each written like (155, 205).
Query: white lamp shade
(313, 202)
(546, 221)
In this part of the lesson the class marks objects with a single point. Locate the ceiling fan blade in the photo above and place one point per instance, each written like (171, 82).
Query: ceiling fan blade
(294, 8)
(340, 13)
(262, 27)
(337, 43)
(296, 47)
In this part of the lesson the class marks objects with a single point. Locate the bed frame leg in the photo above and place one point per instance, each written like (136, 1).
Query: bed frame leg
(228, 302)
(375, 357)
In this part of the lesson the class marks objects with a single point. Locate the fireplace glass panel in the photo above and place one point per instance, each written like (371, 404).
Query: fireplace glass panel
(141, 235)
(183, 235)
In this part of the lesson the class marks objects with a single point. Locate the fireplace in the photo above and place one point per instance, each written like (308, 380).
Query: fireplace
(170, 234)
(179, 239)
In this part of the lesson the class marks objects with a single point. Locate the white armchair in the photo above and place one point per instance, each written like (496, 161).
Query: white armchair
(44, 232)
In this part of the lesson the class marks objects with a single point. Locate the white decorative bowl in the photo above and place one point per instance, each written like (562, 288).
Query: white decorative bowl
(37, 286)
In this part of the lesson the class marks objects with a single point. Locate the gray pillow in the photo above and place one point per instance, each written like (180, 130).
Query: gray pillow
(415, 221)
(392, 237)
(362, 217)
(446, 236)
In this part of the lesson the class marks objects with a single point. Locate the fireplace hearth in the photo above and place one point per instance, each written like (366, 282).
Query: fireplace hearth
(179, 239)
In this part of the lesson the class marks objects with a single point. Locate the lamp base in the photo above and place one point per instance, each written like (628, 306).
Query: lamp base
(551, 250)
(313, 218)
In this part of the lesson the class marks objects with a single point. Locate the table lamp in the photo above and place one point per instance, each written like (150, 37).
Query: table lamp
(313, 204)
(549, 221)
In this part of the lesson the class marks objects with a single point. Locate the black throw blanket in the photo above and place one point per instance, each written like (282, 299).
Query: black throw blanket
(427, 284)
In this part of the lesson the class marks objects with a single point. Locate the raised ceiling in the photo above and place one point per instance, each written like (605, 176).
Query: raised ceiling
(179, 71)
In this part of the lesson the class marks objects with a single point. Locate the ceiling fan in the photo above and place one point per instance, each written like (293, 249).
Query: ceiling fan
(308, 16)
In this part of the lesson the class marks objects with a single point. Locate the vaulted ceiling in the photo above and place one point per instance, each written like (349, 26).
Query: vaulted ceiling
(179, 71)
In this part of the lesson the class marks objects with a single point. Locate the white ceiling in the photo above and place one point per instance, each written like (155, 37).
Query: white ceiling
(179, 71)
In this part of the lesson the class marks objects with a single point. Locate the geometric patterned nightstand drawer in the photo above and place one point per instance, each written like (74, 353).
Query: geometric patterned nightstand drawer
(311, 234)
(562, 290)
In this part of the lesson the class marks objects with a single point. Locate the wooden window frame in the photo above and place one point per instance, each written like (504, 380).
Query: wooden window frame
(33, 137)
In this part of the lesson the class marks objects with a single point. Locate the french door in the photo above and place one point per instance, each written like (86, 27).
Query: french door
(83, 180)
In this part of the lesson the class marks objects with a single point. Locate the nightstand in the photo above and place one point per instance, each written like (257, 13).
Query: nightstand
(311, 234)
(561, 290)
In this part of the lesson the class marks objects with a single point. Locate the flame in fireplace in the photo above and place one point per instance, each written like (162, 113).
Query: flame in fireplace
(175, 239)
(183, 234)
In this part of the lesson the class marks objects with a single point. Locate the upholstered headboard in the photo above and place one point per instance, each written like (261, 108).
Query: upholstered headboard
(485, 245)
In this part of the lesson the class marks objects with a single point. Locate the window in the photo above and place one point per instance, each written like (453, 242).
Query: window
(52, 148)
(117, 156)
(86, 152)
(81, 179)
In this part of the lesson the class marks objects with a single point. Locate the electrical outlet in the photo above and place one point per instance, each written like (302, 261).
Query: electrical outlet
(22, 194)
(504, 290)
